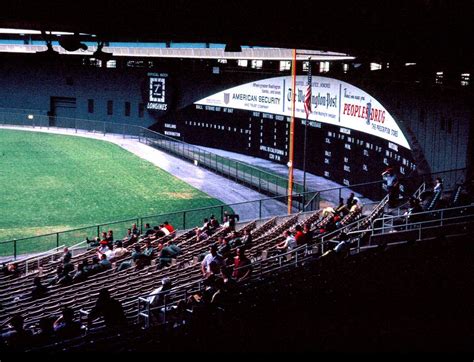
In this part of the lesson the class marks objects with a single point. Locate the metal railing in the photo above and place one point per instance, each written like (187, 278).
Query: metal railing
(260, 268)
(431, 218)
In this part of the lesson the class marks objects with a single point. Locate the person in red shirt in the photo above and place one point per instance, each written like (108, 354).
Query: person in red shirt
(242, 266)
(299, 236)
(169, 227)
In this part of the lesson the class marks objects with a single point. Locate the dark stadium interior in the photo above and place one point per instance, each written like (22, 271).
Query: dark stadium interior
(405, 292)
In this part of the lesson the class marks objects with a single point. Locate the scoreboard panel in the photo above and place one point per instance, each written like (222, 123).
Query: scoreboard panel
(343, 155)
(351, 137)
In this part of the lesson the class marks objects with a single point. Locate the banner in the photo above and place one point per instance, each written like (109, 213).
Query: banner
(332, 101)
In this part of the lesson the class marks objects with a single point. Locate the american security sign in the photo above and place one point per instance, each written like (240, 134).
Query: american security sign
(333, 101)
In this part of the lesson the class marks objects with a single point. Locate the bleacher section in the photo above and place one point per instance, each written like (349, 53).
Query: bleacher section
(279, 280)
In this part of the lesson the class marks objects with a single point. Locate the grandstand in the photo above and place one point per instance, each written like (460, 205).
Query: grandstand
(343, 228)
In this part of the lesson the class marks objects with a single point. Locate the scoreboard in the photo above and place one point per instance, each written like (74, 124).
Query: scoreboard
(351, 138)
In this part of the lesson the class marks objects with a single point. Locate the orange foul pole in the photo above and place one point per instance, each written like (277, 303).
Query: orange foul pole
(292, 132)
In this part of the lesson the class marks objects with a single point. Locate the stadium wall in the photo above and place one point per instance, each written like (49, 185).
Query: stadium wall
(436, 119)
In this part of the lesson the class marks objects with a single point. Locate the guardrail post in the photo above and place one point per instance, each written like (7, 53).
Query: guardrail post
(14, 249)
(260, 209)
(222, 213)
(57, 240)
(184, 220)
(98, 230)
(259, 181)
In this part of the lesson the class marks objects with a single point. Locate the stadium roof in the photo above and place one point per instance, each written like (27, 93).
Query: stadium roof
(433, 30)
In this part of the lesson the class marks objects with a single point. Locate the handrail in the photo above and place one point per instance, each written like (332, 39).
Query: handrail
(37, 258)
(357, 222)
(197, 285)
(436, 212)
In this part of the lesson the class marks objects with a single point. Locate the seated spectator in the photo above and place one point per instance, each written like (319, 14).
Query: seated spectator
(246, 240)
(234, 239)
(68, 267)
(308, 233)
(205, 226)
(59, 273)
(67, 256)
(231, 220)
(213, 256)
(168, 252)
(169, 227)
(288, 244)
(4, 269)
(135, 230)
(213, 224)
(81, 273)
(18, 339)
(242, 266)
(148, 230)
(299, 236)
(103, 249)
(410, 216)
(164, 230)
(12, 269)
(223, 247)
(118, 251)
(93, 243)
(212, 281)
(355, 205)
(105, 263)
(137, 256)
(46, 334)
(148, 253)
(327, 211)
(66, 279)
(110, 238)
(201, 235)
(39, 290)
(157, 298)
(108, 308)
(343, 247)
(157, 233)
(103, 238)
(129, 239)
(65, 327)
(95, 267)
(61, 277)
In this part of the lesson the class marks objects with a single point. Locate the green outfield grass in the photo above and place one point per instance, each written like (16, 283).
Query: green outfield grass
(51, 182)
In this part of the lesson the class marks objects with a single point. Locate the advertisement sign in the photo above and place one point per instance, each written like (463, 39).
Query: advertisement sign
(333, 102)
